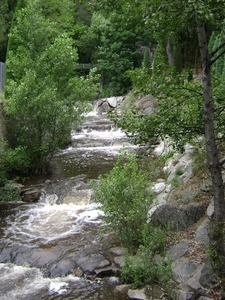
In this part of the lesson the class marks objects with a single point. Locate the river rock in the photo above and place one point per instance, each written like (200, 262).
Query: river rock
(122, 289)
(108, 271)
(210, 209)
(62, 268)
(137, 294)
(119, 261)
(91, 262)
(30, 195)
(118, 251)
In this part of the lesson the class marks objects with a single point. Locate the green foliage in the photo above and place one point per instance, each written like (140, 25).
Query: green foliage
(44, 96)
(178, 115)
(8, 193)
(119, 52)
(199, 160)
(90, 40)
(12, 162)
(160, 59)
(125, 197)
(144, 267)
(179, 172)
(6, 14)
(147, 60)
(115, 57)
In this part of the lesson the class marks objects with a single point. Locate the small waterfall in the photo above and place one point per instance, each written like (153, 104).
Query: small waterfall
(94, 146)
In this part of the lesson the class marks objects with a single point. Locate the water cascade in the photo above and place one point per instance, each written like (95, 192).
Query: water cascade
(45, 245)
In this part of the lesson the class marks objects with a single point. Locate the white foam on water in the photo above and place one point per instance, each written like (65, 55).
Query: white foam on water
(58, 287)
(48, 222)
(19, 282)
(94, 134)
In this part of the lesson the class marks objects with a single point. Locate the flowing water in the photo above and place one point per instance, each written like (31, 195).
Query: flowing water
(41, 241)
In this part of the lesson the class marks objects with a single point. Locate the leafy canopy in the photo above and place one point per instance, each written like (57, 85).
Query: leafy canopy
(44, 96)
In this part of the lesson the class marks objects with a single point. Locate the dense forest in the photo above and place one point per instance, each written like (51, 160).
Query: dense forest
(173, 50)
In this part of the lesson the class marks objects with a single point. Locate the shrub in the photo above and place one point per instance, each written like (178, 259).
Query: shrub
(125, 198)
(146, 266)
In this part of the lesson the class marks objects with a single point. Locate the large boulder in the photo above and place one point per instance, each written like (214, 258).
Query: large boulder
(174, 218)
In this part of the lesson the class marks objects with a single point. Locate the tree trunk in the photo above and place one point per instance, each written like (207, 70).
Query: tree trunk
(169, 51)
(217, 227)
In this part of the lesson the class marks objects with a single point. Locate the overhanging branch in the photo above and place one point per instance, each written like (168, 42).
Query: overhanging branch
(217, 57)
(217, 49)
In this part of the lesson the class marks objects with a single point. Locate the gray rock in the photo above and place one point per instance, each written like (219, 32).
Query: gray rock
(119, 261)
(194, 212)
(207, 274)
(108, 271)
(122, 289)
(184, 269)
(202, 234)
(159, 187)
(112, 101)
(137, 294)
(63, 268)
(210, 209)
(178, 250)
(118, 251)
(104, 263)
(89, 263)
(174, 218)
(169, 216)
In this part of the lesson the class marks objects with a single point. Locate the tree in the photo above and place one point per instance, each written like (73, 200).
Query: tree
(44, 96)
(121, 50)
(6, 14)
(167, 18)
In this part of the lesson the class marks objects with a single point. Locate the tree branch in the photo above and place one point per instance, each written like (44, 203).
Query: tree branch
(217, 49)
(217, 57)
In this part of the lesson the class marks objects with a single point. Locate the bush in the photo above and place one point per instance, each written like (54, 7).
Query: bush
(13, 162)
(125, 197)
(146, 267)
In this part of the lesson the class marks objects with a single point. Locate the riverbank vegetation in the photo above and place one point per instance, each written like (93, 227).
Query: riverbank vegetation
(125, 195)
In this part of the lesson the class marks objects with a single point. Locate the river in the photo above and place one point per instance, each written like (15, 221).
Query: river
(42, 242)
